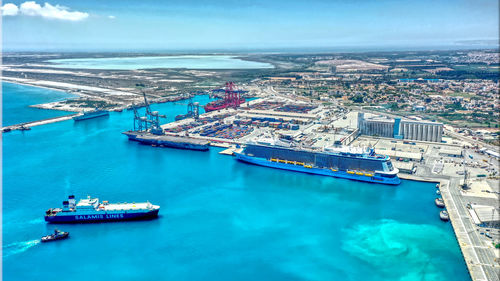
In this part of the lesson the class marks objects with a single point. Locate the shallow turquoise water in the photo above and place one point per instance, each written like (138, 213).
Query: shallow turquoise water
(191, 62)
(16, 100)
(219, 219)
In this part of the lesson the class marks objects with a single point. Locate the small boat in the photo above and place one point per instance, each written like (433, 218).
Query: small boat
(439, 202)
(438, 192)
(58, 235)
(437, 185)
(443, 215)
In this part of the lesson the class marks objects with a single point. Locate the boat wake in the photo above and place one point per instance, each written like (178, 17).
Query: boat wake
(18, 247)
(35, 221)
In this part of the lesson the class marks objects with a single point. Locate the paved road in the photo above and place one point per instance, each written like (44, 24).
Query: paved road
(478, 254)
(470, 140)
(483, 256)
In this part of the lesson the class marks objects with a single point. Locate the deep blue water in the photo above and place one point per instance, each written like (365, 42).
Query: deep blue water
(16, 100)
(219, 219)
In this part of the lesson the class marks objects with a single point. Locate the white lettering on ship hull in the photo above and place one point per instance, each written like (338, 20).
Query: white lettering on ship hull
(99, 217)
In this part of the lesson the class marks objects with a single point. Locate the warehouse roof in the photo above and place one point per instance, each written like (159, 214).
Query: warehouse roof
(486, 213)
(402, 154)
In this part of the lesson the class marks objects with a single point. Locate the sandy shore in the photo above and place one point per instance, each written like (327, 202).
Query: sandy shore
(61, 86)
(26, 82)
(111, 96)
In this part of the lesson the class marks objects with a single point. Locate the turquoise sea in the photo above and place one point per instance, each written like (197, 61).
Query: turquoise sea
(185, 61)
(16, 100)
(219, 219)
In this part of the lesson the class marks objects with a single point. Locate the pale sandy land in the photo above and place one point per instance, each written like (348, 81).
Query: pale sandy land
(58, 106)
(175, 80)
(352, 64)
(47, 71)
(58, 85)
(51, 105)
(27, 82)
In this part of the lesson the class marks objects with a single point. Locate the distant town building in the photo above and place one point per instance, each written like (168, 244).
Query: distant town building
(400, 129)
(419, 108)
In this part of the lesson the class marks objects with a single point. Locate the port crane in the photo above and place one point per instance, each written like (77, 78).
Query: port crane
(193, 110)
(151, 120)
(232, 98)
(465, 184)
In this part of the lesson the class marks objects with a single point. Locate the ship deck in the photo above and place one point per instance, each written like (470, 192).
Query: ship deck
(175, 139)
(125, 206)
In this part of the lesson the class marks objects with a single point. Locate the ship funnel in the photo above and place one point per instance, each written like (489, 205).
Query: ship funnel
(65, 205)
(71, 201)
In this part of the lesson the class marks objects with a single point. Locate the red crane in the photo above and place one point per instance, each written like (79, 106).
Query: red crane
(232, 98)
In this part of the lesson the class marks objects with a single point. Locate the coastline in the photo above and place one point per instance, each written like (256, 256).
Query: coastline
(467, 245)
(44, 106)
(38, 86)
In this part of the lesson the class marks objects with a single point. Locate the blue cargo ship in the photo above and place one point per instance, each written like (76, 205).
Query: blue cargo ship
(91, 210)
(91, 114)
(340, 162)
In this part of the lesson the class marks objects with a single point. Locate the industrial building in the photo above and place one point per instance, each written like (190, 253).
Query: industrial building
(451, 152)
(485, 216)
(376, 126)
(419, 130)
(400, 129)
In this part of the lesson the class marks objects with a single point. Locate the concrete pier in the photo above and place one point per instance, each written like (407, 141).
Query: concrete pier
(479, 257)
(28, 125)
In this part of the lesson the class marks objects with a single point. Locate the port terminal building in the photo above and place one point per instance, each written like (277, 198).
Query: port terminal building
(400, 128)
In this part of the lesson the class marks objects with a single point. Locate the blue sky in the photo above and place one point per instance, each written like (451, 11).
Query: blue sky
(244, 24)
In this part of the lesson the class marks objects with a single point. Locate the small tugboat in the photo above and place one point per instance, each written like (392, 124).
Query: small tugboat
(439, 202)
(443, 215)
(58, 235)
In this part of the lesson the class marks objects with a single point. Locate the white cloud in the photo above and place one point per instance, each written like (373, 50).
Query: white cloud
(48, 11)
(9, 9)
(111, 17)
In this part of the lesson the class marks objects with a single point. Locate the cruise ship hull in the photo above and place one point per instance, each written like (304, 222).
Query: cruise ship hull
(71, 217)
(317, 171)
